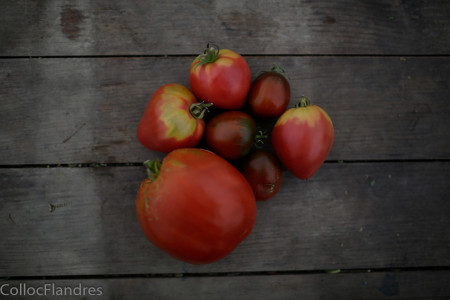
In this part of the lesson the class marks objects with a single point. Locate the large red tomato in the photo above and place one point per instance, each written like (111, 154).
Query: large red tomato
(199, 207)
(302, 138)
(269, 94)
(221, 77)
(173, 119)
(263, 171)
(231, 134)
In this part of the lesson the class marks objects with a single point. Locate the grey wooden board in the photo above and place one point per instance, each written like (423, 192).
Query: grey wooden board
(82, 221)
(87, 109)
(53, 28)
(380, 68)
(379, 285)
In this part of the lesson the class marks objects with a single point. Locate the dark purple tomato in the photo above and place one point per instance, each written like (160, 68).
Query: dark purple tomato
(269, 94)
(264, 173)
(231, 134)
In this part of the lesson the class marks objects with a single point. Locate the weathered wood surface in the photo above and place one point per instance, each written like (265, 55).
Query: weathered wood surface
(50, 28)
(392, 285)
(82, 221)
(75, 77)
(87, 109)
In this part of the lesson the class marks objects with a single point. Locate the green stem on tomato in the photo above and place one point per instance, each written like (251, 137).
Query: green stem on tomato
(199, 109)
(210, 55)
(153, 168)
(277, 69)
(304, 102)
(261, 136)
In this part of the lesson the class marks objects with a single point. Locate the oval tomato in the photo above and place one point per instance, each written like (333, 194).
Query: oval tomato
(264, 173)
(302, 138)
(269, 94)
(199, 207)
(172, 119)
(221, 77)
(231, 134)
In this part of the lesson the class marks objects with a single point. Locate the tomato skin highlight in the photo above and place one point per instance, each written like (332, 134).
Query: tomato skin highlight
(198, 209)
(167, 123)
(224, 82)
(302, 139)
(231, 134)
(269, 95)
(264, 173)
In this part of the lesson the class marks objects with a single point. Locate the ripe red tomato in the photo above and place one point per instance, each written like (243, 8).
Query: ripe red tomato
(264, 173)
(221, 77)
(269, 94)
(302, 138)
(231, 134)
(173, 119)
(199, 207)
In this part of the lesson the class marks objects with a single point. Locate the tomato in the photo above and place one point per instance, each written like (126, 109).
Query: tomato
(264, 173)
(302, 138)
(173, 119)
(269, 94)
(231, 134)
(221, 77)
(197, 207)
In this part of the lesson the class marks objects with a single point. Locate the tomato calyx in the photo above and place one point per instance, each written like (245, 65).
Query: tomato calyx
(210, 55)
(199, 109)
(304, 102)
(277, 69)
(153, 167)
(260, 137)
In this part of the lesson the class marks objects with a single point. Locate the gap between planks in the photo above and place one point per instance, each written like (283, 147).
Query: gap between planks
(243, 54)
(231, 274)
(139, 164)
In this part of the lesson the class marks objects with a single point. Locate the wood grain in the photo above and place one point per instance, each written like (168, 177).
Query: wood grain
(86, 110)
(76, 76)
(82, 221)
(65, 28)
(392, 285)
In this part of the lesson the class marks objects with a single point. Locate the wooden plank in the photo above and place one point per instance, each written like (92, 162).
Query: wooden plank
(87, 109)
(82, 221)
(392, 285)
(108, 27)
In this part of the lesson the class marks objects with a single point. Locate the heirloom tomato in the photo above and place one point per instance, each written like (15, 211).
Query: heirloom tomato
(196, 206)
(221, 77)
(173, 119)
(231, 134)
(264, 173)
(269, 94)
(302, 138)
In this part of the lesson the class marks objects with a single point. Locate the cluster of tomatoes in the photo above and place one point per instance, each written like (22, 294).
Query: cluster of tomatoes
(197, 205)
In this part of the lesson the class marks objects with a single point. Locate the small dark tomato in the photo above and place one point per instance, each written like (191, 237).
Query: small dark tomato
(264, 173)
(269, 94)
(231, 134)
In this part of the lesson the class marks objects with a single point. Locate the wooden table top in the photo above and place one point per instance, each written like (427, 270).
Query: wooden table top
(75, 77)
